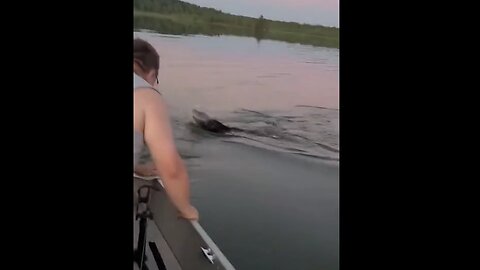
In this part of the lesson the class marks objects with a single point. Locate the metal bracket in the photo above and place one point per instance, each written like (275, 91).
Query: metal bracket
(208, 253)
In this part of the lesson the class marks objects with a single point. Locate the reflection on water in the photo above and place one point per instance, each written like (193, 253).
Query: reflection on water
(228, 73)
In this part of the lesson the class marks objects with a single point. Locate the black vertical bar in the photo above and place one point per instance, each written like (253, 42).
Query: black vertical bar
(157, 256)
(140, 257)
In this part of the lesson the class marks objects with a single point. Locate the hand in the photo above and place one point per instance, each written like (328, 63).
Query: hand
(191, 213)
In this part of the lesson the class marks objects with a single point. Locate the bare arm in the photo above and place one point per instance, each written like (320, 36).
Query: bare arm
(159, 138)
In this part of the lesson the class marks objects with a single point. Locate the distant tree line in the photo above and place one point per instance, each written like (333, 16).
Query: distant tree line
(182, 16)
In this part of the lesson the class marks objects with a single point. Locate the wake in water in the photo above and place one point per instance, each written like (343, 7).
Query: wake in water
(306, 130)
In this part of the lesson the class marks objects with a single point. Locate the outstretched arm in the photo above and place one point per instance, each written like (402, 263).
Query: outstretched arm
(159, 138)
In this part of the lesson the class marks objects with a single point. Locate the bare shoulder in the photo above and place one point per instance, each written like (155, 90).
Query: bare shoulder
(153, 106)
(157, 130)
(148, 98)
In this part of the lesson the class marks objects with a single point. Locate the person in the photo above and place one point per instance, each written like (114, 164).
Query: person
(152, 129)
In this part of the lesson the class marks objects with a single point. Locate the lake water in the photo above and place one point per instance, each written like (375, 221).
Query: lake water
(268, 196)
